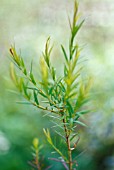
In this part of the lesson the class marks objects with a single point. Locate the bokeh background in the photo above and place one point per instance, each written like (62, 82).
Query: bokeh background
(27, 24)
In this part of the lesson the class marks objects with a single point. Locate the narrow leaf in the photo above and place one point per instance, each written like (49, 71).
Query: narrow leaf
(35, 97)
(80, 123)
(64, 52)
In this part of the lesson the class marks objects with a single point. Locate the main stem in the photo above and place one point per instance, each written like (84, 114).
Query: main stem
(68, 145)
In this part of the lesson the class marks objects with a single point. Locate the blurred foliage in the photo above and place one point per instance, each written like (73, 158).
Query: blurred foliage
(27, 24)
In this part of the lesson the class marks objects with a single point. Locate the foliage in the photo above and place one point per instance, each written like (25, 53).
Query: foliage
(63, 98)
(37, 162)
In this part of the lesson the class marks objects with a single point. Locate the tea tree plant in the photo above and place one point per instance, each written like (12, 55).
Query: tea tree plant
(36, 162)
(63, 97)
(37, 158)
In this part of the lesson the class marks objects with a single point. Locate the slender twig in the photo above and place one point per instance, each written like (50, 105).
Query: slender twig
(68, 144)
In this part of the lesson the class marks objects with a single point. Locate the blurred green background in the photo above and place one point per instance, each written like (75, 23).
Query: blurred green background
(27, 24)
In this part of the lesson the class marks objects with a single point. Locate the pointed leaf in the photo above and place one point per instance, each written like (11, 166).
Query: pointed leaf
(64, 52)
(35, 97)
(80, 123)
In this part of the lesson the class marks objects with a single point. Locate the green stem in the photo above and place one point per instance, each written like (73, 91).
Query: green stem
(68, 145)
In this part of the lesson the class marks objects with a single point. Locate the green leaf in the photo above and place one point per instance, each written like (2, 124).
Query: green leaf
(47, 52)
(24, 102)
(22, 63)
(80, 113)
(72, 95)
(75, 59)
(74, 77)
(83, 112)
(21, 85)
(75, 86)
(64, 52)
(50, 90)
(71, 122)
(35, 97)
(70, 108)
(65, 71)
(77, 28)
(42, 94)
(75, 13)
(80, 123)
(62, 87)
(53, 73)
(31, 75)
(46, 58)
(25, 71)
(84, 101)
(73, 136)
(15, 56)
(32, 79)
(25, 90)
(13, 74)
